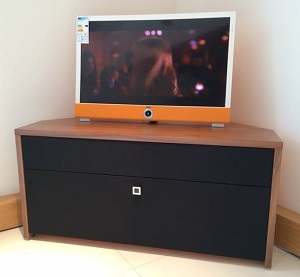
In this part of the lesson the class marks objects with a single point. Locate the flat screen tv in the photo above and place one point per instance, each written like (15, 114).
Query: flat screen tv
(168, 67)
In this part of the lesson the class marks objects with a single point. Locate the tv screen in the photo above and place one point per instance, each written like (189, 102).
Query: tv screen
(180, 60)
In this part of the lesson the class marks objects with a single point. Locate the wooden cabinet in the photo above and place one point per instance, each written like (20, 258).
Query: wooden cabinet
(185, 187)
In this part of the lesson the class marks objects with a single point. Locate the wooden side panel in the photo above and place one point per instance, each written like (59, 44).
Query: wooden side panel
(287, 231)
(273, 207)
(10, 211)
(22, 187)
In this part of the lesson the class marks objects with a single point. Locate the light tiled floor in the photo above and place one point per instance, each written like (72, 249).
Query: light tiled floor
(54, 256)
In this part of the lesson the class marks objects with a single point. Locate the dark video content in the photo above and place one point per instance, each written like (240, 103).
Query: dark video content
(185, 67)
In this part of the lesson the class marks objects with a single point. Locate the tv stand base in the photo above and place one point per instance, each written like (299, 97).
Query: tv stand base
(84, 119)
(217, 125)
(193, 189)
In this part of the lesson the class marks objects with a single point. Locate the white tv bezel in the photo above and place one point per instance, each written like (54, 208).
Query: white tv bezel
(228, 14)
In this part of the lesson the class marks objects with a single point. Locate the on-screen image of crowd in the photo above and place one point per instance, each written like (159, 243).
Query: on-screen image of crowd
(157, 65)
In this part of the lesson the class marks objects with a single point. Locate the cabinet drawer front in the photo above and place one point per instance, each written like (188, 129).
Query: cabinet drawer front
(194, 216)
(233, 165)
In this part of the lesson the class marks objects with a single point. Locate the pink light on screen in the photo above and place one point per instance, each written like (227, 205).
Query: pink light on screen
(201, 41)
(147, 33)
(225, 38)
(159, 32)
(199, 87)
(153, 32)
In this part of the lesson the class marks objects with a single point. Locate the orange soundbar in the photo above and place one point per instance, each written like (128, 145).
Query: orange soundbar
(153, 113)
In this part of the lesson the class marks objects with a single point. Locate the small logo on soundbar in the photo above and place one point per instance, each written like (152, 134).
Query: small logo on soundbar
(148, 113)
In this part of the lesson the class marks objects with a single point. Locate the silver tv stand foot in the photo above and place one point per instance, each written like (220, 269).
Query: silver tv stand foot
(217, 125)
(82, 119)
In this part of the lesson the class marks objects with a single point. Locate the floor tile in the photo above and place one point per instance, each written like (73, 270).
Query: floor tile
(55, 256)
(45, 258)
(139, 255)
(195, 265)
(130, 273)
(288, 255)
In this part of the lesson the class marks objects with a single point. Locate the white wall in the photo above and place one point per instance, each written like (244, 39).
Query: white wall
(37, 64)
(37, 69)
(266, 77)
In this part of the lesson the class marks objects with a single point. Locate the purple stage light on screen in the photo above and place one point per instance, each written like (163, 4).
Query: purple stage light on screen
(147, 33)
(159, 32)
(193, 44)
(153, 33)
